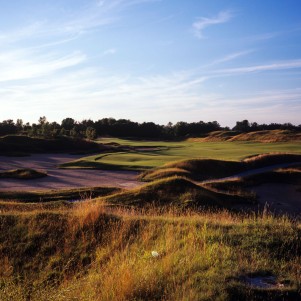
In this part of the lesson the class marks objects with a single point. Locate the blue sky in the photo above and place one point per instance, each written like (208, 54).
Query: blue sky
(151, 60)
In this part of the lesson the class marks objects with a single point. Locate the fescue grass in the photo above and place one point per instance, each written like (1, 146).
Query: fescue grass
(206, 169)
(267, 136)
(93, 252)
(74, 194)
(180, 192)
(22, 173)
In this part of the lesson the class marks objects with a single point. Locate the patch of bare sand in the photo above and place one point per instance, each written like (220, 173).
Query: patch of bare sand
(280, 198)
(61, 178)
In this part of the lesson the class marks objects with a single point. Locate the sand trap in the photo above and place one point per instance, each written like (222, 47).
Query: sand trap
(280, 198)
(61, 178)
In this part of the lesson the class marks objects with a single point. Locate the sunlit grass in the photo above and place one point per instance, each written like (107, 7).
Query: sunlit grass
(173, 151)
(103, 253)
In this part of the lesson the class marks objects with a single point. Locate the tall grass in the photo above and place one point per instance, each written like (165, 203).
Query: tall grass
(105, 253)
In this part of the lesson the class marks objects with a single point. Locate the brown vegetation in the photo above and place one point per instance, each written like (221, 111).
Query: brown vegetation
(265, 136)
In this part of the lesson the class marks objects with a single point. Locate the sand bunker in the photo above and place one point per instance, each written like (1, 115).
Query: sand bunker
(62, 178)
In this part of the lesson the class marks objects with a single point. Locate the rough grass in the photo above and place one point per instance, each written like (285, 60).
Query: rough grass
(58, 195)
(96, 253)
(180, 192)
(22, 173)
(291, 175)
(164, 173)
(206, 169)
(267, 136)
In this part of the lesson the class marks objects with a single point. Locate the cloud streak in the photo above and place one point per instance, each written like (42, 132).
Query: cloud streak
(231, 57)
(290, 64)
(203, 22)
(24, 64)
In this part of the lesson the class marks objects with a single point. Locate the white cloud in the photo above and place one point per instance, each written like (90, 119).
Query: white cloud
(289, 64)
(24, 64)
(231, 57)
(203, 22)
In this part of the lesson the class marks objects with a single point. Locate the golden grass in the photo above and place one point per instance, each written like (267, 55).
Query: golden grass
(103, 253)
(163, 173)
(266, 136)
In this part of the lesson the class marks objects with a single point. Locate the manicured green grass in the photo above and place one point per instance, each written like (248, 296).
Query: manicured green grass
(161, 152)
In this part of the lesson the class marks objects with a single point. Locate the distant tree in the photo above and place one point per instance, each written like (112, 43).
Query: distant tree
(68, 123)
(91, 133)
(45, 130)
(242, 126)
(19, 125)
(42, 120)
(63, 132)
(33, 131)
(7, 127)
(74, 132)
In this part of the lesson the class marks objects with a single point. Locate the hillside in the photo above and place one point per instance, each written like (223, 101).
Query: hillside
(266, 136)
(90, 252)
(13, 144)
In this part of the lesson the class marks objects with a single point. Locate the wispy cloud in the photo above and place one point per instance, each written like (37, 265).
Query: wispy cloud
(23, 64)
(203, 22)
(271, 35)
(109, 51)
(231, 57)
(109, 4)
(289, 64)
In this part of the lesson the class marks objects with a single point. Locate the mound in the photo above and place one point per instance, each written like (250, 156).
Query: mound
(164, 173)
(209, 169)
(216, 136)
(258, 136)
(263, 160)
(196, 169)
(176, 191)
(268, 136)
(22, 173)
(58, 195)
(23, 144)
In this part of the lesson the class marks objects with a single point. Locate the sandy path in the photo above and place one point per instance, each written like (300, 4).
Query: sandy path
(62, 178)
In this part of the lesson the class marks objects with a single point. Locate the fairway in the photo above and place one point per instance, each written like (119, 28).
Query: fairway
(143, 155)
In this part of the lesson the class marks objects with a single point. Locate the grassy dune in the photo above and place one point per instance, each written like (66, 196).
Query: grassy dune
(22, 145)
(57, 195)
(180, 192)
(206, 169)
(22, 173)
(267, 136)
(92, 252)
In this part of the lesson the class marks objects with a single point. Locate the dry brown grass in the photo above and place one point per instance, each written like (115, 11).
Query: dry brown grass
(266, 136)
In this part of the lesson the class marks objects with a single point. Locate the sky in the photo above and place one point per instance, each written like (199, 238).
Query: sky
(151, 60)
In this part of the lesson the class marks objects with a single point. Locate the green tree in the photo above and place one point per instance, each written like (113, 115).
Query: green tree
(68, 123)
(91, 133)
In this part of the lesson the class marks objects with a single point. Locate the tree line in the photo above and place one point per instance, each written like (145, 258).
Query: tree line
(126, 128)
